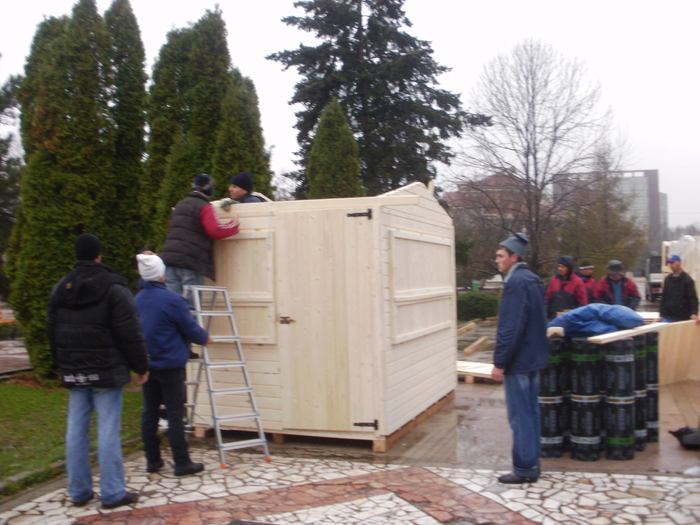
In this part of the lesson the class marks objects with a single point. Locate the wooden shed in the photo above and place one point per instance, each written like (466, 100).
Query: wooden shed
(346, 311)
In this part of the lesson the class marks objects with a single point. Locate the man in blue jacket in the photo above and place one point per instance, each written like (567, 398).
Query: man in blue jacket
(168, 328)
(521, 351)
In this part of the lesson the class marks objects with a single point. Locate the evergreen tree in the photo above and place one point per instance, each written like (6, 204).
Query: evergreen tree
(240, 145)
(333, 167)
(128, 111)
(69, 150)
(386, 81)
(202, 88)
(10, 174)
(166, 117)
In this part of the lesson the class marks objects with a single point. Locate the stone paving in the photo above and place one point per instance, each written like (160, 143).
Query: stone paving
(309, 491)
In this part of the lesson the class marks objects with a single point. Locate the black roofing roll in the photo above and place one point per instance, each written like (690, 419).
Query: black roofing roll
(653, 357)
(585, 427)
(552, 432)
(584, 368)
(619, 368)
(619, 427)
(640, 362)
(551, 384)
(652, 413)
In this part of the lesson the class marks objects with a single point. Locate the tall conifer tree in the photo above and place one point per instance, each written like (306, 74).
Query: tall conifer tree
(66, 186)
(333, 167)
(167, 118)
(240, 144)
(125, 232)
(202, 87)
(385, 79)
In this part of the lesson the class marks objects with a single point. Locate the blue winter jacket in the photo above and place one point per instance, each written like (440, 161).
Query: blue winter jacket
(168, 326)
(521, 339)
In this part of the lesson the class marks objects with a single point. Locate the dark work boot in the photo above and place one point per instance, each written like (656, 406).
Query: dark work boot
(188, 469)
(154, 466)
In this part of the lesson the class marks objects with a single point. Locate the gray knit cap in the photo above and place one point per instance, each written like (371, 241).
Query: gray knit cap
(516, 244)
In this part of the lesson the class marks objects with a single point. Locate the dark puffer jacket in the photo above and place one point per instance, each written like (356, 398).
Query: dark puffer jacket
(679, 300)
(93, 328)
(188, 245)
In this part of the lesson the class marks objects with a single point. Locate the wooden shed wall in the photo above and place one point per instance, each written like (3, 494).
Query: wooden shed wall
(372, 306)
(419, 309)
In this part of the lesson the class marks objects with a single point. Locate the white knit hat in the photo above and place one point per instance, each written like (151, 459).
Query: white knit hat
(151, 267)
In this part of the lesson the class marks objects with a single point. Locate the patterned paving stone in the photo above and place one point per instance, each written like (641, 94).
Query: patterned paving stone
(295, 491)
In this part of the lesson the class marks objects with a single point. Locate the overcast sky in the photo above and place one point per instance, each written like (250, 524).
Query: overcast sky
(644, 54)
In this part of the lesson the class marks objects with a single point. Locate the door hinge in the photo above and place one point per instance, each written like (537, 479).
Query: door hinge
(367, 214)
(374, 425)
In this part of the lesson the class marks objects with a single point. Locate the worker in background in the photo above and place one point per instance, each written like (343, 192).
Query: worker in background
(679, 300)
(585, 273)
(241, 189)
(615, 288)
(565, 290)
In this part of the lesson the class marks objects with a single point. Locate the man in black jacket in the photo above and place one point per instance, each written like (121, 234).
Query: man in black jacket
(188, 252)
(95, 338)
(679, 300)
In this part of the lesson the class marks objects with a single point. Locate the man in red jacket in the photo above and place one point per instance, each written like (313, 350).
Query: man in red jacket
(585, 273)
(565, 290)
(615, 288)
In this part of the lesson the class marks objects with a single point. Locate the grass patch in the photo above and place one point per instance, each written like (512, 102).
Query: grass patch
(33, 424)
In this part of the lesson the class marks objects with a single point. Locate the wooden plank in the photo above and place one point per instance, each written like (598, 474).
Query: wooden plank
(679, 348)
(684, 405)
(624, 334)
(476, 346)
(470, 368)
(468, 327)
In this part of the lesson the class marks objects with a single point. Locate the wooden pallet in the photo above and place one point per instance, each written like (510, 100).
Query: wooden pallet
(470, 370)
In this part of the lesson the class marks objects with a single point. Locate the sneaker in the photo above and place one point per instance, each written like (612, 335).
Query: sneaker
(129, 499)
(693, 471)
(515, 478)
(154, 466)
(85, 501)
(191, 468)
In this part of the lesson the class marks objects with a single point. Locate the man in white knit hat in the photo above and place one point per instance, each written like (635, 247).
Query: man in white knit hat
(168, 328)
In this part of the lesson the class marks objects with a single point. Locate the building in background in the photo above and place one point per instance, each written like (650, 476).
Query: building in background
(647, 206)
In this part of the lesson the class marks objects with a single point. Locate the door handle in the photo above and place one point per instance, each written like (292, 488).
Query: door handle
(286, 320)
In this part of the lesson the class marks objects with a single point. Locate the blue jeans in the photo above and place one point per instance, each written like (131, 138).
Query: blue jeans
(524, 418)
(164, 387)
(177, 278)
(108, 404)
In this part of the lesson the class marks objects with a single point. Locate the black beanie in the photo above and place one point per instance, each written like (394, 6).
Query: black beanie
(87, 247)
(243, 180)
(203, 183)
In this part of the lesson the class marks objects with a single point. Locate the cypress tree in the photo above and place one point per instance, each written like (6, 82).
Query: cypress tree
(203, 86)
(10, 174)
(240, 145)
(128, 57)
(333, 167)
(65, 187)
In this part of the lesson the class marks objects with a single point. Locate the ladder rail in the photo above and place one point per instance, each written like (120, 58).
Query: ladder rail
(207, 366)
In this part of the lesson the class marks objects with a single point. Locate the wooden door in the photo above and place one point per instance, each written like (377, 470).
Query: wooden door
(327, 333)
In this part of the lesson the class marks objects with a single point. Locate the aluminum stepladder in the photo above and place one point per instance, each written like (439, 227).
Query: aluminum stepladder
(220, 306)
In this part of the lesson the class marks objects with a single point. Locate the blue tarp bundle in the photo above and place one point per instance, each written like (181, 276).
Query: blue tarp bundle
(597, 319)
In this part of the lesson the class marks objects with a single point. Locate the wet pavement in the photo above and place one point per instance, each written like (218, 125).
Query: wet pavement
(443, 471)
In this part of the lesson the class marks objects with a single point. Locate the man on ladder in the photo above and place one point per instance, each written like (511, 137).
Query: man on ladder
(168, 327)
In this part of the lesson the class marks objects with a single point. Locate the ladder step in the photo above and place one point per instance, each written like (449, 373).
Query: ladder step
(239, 417)
(214, 313)
(226, 365)
(224, 338)
(243, 444)
(192, 383)
(240, 390)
